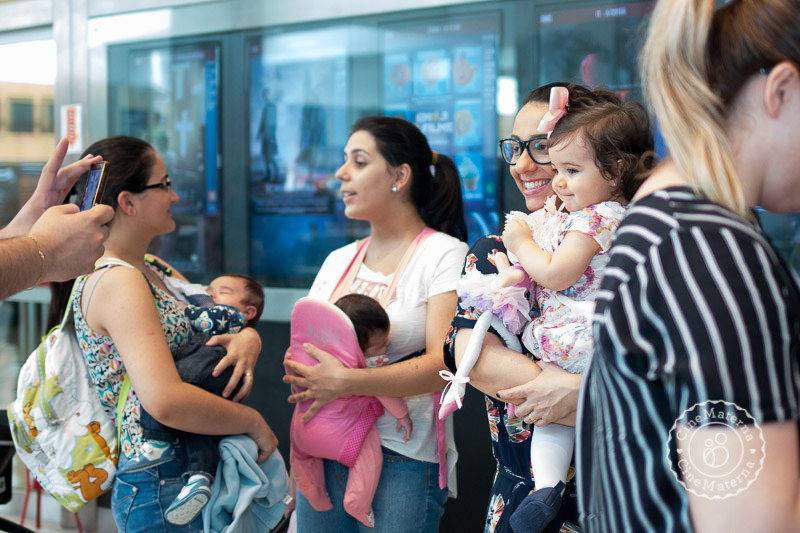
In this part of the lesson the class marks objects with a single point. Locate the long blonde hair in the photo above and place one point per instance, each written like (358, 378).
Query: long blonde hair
(695, 61)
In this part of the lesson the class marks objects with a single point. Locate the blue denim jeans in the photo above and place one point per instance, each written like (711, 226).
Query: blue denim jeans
(142, 493)
(408, 499)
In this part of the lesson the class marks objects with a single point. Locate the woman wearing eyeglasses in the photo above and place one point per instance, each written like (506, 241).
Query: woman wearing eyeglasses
(544, 395)
(128, 322)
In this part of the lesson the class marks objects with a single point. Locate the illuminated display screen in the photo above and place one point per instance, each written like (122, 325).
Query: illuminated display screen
(442, 76)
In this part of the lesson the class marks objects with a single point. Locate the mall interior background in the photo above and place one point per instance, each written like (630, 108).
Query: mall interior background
(250, 103)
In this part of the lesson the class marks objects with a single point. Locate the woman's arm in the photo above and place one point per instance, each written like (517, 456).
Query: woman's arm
(497, 367)
(127, 314)
(419, 375)
(770, 503)
(557, 271)
(543, 392)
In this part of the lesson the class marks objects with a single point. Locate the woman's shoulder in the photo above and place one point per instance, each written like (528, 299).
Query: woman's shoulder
(678, 224)
(441, 243)
(679, 210)
(343, 253)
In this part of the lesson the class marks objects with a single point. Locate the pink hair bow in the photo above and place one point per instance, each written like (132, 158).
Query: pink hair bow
(559, 98)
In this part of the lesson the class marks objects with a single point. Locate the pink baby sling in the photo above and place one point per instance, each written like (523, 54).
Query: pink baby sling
(344, 429)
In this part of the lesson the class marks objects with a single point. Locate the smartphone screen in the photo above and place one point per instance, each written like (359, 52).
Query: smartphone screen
(95, 183)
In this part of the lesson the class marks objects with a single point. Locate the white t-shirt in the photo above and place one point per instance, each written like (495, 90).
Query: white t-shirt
(434, 269)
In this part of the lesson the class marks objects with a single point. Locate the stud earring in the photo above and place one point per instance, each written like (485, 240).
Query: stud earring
(394, 188)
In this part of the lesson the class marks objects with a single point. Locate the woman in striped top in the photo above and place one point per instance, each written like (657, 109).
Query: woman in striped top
(688, 412)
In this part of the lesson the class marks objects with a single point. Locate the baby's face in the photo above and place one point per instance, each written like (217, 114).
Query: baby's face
(227, 290)
(378, 344)
(578, 181)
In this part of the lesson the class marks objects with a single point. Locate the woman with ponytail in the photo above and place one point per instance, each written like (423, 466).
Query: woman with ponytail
(689, 409)
(411, 197)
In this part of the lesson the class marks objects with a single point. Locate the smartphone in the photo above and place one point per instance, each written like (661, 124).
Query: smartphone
(95, 185)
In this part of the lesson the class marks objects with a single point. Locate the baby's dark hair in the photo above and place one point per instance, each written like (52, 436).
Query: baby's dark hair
(367, 316)
(255, 296)
(618, 133)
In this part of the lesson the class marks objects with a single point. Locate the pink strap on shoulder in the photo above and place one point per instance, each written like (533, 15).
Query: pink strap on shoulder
(350, 273)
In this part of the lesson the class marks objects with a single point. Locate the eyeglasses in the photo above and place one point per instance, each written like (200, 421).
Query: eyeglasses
(536, 147)
(164, 186)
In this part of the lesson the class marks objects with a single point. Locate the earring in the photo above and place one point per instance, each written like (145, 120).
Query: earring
(394, 188)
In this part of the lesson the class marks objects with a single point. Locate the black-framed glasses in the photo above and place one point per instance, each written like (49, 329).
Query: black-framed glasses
(536, 147)
(164, 186)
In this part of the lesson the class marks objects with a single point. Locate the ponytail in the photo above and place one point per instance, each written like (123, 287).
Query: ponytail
(695, 61)
(440, 205)
(690, 114)
(435, 183)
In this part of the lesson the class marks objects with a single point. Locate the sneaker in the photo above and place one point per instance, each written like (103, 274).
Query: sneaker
(190, 501)
(537, 510)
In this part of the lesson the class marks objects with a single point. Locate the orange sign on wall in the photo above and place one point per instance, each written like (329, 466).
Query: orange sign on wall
(71, 126)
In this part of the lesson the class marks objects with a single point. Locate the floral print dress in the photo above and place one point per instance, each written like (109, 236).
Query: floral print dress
(511, 437)
(562, 333)
(107, 371)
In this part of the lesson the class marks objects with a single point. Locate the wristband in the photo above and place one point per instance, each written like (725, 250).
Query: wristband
(41, 258)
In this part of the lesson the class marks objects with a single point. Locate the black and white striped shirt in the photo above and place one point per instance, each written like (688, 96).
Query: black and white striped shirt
(694, 306)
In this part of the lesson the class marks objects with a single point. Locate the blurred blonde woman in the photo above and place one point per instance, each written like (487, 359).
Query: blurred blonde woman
(688, 414)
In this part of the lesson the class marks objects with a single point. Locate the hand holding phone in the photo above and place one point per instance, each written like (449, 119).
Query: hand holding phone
(95, 185)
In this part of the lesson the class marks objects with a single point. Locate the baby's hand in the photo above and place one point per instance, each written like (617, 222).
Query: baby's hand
(406, 426)
(507, 275)
(516, 233)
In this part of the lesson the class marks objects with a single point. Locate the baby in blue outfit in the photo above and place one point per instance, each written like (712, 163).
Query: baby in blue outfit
(231, 303)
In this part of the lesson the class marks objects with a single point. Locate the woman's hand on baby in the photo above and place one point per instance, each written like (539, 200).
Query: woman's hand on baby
(323, 383)
(265, 439)
(548, 398)
(515, 234)
(406, 426)
(243, 350)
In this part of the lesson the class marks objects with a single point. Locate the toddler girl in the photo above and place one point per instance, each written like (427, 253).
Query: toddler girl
(600, 152)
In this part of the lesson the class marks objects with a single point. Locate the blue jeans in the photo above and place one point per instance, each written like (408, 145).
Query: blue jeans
(408, 499)
(142, 493)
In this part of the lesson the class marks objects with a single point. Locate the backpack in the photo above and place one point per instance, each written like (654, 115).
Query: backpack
(59, 427)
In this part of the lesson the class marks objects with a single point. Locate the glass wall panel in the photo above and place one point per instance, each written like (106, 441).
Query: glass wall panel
(299, 89)
(595, 45)
(169, 95)
(27, 80)
(306, 88)
(441, 74)
(291, 93)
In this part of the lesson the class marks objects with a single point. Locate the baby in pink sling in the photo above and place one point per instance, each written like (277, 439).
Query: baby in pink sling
(353, 328)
